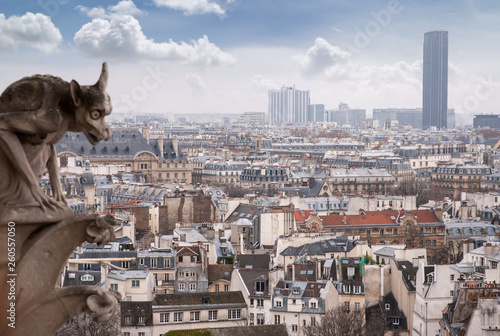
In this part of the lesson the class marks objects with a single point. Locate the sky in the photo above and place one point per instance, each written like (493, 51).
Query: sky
(222, 56)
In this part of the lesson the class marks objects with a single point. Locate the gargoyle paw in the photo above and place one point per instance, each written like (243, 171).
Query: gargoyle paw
(101, 231)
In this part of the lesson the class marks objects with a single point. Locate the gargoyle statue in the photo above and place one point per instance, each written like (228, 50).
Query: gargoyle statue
(35, 113)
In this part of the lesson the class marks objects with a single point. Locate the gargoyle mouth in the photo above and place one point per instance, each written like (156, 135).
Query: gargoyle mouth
(94, 139)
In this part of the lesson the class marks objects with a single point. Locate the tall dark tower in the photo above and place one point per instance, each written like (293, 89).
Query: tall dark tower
(435, 81)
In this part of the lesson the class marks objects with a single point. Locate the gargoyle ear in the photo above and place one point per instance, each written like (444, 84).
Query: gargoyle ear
(103, 79)
(76, 92)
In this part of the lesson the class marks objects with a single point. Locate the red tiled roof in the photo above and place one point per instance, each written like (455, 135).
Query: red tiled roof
(386, 217)
(302, 215)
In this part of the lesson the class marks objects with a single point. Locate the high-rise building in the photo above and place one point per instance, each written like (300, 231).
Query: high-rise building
(316, 113)
(288, 105)
(487, 120)
(435, 80)
(345, 115)
(404, 116)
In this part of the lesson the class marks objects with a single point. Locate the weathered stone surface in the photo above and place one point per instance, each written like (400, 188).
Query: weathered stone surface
(38, 233)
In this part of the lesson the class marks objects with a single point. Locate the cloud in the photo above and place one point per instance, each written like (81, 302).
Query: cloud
(323, 57)
(124, 7)
(400, 73)
(113, 34)
(193, 7)
(196, 84)
(261, 84)
(30, 30)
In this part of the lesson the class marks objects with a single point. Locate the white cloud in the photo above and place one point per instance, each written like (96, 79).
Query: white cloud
(261, 84)
(323, 57)
(114, 34)
(196, 84)
(124, 7)
(192, 7)
(30, 30)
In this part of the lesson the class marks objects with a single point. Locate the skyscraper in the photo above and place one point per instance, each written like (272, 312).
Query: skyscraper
(435, 80)
(288, 105)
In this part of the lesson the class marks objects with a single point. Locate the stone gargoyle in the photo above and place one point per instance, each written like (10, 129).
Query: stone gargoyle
(41, 231)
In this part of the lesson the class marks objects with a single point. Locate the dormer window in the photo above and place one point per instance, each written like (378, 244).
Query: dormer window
(350, 273)
(260, 286)
(296, 291)
(87, 277)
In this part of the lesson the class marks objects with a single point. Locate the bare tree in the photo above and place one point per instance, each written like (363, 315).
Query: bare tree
(450, 253)
(413, 187)
(84, 325)
(338, 322)
(376, 321)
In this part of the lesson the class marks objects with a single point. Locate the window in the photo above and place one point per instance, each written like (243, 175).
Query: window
(126, 334)
(278, 303)
(251, 302)
(182, 286)
(251, 319)
(136, 283)
(347, 306)
(451, 293)
(260, 319)
(216, 287)
(234, 314)
(193, 259)
(395, 321)
(357, 306)
(128, 319)
(178, 317)
(194, 316)
(164, 317)
(277, 319)
(141, 261)
(452, 277)
(295, 327)
(494, 264)
(313, 320)
(350, 273)
(387, 306)
(212, 315)
(226, 288)
(141, 334)
(154, 262)
(312, 304)
(260, 302)
(166, 262)
(180, 258)
(126, 264)
(141, 319)
(192, 287)
(113, 286)
(260, 286)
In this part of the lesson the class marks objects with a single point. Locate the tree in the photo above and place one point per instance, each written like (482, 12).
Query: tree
(338, 322)
(451, 253)
(84, 325)
(413, 187)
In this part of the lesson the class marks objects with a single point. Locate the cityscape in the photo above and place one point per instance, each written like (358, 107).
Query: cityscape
(255, 184)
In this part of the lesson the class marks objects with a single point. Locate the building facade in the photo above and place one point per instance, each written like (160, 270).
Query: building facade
(435, 80)
(288, 105)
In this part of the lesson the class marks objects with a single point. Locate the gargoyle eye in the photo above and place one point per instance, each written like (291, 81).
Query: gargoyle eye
(95, 114)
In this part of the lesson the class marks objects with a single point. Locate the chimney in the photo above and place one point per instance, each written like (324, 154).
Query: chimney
(160, 147)
(145, 133)
(175, 145)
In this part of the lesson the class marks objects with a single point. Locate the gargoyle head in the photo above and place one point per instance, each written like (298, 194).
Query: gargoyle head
(92, 104)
